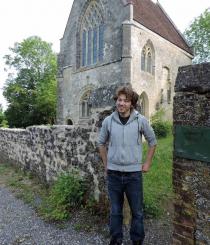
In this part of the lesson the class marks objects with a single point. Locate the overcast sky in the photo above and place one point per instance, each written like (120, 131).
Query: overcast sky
(20, 19)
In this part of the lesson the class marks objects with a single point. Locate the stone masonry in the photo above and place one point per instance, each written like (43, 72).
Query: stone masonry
(49, 151)
(191, 178)
(124, 39)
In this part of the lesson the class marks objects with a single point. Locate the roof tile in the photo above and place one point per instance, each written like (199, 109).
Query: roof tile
(153, 17)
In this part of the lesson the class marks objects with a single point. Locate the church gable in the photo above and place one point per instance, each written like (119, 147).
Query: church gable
(153, 17)
(93, 33)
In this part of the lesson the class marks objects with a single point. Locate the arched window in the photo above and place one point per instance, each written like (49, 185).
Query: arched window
(92, 35)
(148, 58)
(149, 62)
(85, 110)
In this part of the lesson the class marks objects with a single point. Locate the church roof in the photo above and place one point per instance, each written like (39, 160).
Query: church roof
(152, 16)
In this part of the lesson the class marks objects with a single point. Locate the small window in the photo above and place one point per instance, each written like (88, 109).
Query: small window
(143, 59)
(149, 62)
(84, 104)
(85, 109)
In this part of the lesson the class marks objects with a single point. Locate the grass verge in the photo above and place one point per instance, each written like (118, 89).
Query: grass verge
(158, 181)
(23, 185)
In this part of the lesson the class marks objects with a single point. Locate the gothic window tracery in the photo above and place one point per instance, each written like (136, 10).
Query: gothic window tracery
(92, 35)
(148, 58)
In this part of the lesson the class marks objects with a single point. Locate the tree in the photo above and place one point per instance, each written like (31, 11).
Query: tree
(1, 114)
(198, 36)
(3, 121)
(31, 84)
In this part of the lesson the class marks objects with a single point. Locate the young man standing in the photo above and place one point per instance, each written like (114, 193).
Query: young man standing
(123, 130)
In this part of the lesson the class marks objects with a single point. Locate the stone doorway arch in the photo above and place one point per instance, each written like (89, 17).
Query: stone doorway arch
(144, 104)
(69, 121)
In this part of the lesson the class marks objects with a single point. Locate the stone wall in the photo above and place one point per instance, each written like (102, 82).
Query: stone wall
(191, 176)
(49, 151)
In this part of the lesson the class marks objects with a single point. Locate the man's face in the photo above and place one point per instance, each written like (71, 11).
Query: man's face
(123, 105)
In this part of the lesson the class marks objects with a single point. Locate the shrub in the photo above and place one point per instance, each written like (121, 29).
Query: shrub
(4, 124)
(158, 116)
(161, 128)
(66, 194)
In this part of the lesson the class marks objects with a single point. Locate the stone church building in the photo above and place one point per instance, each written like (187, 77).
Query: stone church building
(112, 42)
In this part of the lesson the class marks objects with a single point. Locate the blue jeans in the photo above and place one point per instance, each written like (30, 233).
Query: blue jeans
(130, 184)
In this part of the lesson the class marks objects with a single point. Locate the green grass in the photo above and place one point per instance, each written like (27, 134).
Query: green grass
(3, 169)
(158, 181)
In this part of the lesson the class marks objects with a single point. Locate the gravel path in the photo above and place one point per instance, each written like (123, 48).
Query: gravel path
(19, 224)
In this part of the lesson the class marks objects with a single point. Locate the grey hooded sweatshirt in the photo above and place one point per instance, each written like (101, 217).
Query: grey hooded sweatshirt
(125, 141)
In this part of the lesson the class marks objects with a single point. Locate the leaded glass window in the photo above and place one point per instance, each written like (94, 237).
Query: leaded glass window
(83, 108)
(89, 54)
(95, 46)
(101, 42)
(143, 60)
(84, 48)
(92, 29)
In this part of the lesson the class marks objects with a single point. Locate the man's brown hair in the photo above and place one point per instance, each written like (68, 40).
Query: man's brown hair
(130, 94)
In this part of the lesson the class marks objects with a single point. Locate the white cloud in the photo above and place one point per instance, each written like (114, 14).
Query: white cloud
(182, 12)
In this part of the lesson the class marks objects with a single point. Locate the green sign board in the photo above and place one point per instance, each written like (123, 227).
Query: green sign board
(192, 142)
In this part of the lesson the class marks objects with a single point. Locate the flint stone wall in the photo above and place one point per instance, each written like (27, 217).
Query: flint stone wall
(49, 151)
(191, 178)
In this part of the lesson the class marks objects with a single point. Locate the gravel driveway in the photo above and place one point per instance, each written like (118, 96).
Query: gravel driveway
(19, 224)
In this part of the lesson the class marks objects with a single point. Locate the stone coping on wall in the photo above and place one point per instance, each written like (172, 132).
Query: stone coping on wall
(193, 78)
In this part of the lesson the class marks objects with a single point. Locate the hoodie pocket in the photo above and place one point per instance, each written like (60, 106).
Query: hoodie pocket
(126, 154)
(115, 155)
(132, 154)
